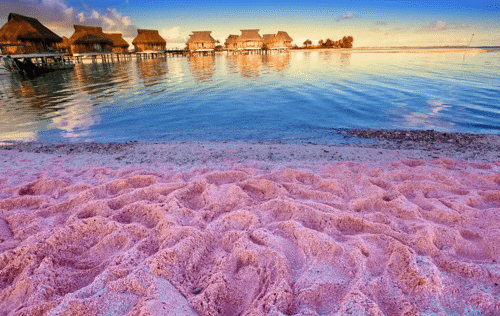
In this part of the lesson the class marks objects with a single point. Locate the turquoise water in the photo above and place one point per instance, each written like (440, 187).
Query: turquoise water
(297, 97)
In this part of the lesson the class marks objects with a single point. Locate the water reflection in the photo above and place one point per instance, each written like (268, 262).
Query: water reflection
(96, 79)
(152, 68)
(277, 62)
(202, 67)
(345, 59)
(76, 120)
(49, 102)
(143, 99)
(247, 66)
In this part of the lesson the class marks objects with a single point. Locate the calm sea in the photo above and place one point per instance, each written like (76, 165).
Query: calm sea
(298, 96)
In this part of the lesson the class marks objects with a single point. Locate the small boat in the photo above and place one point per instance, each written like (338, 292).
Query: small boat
(36, 64)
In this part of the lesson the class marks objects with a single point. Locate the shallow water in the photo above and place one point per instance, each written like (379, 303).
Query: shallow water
(297, 96)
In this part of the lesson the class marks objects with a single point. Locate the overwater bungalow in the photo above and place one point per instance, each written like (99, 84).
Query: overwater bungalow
(267, 40)
(277, 41)
(249, 40)
(64, 45)
(231, 43)
(201, 41)
(119, 44)
(148, 40)
(282, 40)
(89, 39)
(29, 32)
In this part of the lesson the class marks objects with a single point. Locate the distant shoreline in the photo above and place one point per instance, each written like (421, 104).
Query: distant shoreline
(403, 49)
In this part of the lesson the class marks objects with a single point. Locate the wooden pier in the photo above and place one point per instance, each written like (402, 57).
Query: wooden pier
(254, 51)
(109, 57)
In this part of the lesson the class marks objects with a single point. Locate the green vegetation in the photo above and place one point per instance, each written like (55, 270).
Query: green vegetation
(345, 42)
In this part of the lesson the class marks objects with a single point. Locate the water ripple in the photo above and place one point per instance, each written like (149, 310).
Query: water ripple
(253, 97)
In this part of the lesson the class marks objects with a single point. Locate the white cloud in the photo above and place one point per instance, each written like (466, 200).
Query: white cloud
(442, 26)
(94, 15)
(108, 21)
(173, 35)
(348, 16)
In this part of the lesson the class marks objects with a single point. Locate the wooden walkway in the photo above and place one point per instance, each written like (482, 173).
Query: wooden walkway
(110, 57)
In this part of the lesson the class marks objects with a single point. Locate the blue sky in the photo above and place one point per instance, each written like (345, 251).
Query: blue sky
(372, 23)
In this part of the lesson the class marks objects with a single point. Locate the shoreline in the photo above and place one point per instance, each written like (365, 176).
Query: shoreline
(386, 145)
(401, 50)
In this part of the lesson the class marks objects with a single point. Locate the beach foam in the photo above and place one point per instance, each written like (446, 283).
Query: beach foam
(406, 237)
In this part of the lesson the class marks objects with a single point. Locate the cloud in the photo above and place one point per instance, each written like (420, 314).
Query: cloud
(60, 17)
(173, 35)
(439, 25)
(348, 16)
(381, 23)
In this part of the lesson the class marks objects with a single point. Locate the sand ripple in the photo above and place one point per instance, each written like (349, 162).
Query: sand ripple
(409, 238)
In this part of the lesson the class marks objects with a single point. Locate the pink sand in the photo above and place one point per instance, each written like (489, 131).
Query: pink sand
(406, 237)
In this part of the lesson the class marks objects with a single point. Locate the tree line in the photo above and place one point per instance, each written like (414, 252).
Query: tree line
(345, 42)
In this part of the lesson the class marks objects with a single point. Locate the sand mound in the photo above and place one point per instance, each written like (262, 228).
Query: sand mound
(407, 238)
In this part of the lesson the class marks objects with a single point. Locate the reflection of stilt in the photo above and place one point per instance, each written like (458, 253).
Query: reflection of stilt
(469, 47)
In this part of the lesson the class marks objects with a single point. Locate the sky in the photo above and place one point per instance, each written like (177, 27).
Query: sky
(372, 23)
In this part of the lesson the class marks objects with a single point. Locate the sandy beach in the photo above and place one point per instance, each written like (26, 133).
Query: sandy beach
(408, 225)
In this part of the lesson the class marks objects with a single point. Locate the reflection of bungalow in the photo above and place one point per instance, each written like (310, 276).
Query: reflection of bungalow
(119, 44)
(249, 66)
(21, 29)
(276, 62)
(89, 39)
(202, 68)
(148, 40)
(151, 68)
(249, 39)
(231, 43)
(279, 41)
(201, 41)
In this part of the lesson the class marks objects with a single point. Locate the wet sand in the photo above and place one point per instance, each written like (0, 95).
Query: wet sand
(398, 227)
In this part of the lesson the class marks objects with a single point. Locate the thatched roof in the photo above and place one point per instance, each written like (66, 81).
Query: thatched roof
(23, 28)
(148, 37)
(65, 42)
(249, 35)
(283, 36)
(231, 39)
(201, 36)
(88, 35)
(117, 40)
(267, 38)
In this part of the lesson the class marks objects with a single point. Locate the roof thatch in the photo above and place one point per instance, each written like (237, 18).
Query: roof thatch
(231, 39)
(249, 35)
(65, 43)
(201, 36)
(88, 35)
(23, 28)
(283, 36)
(267, 38)
(117, 40)
(148, 37)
